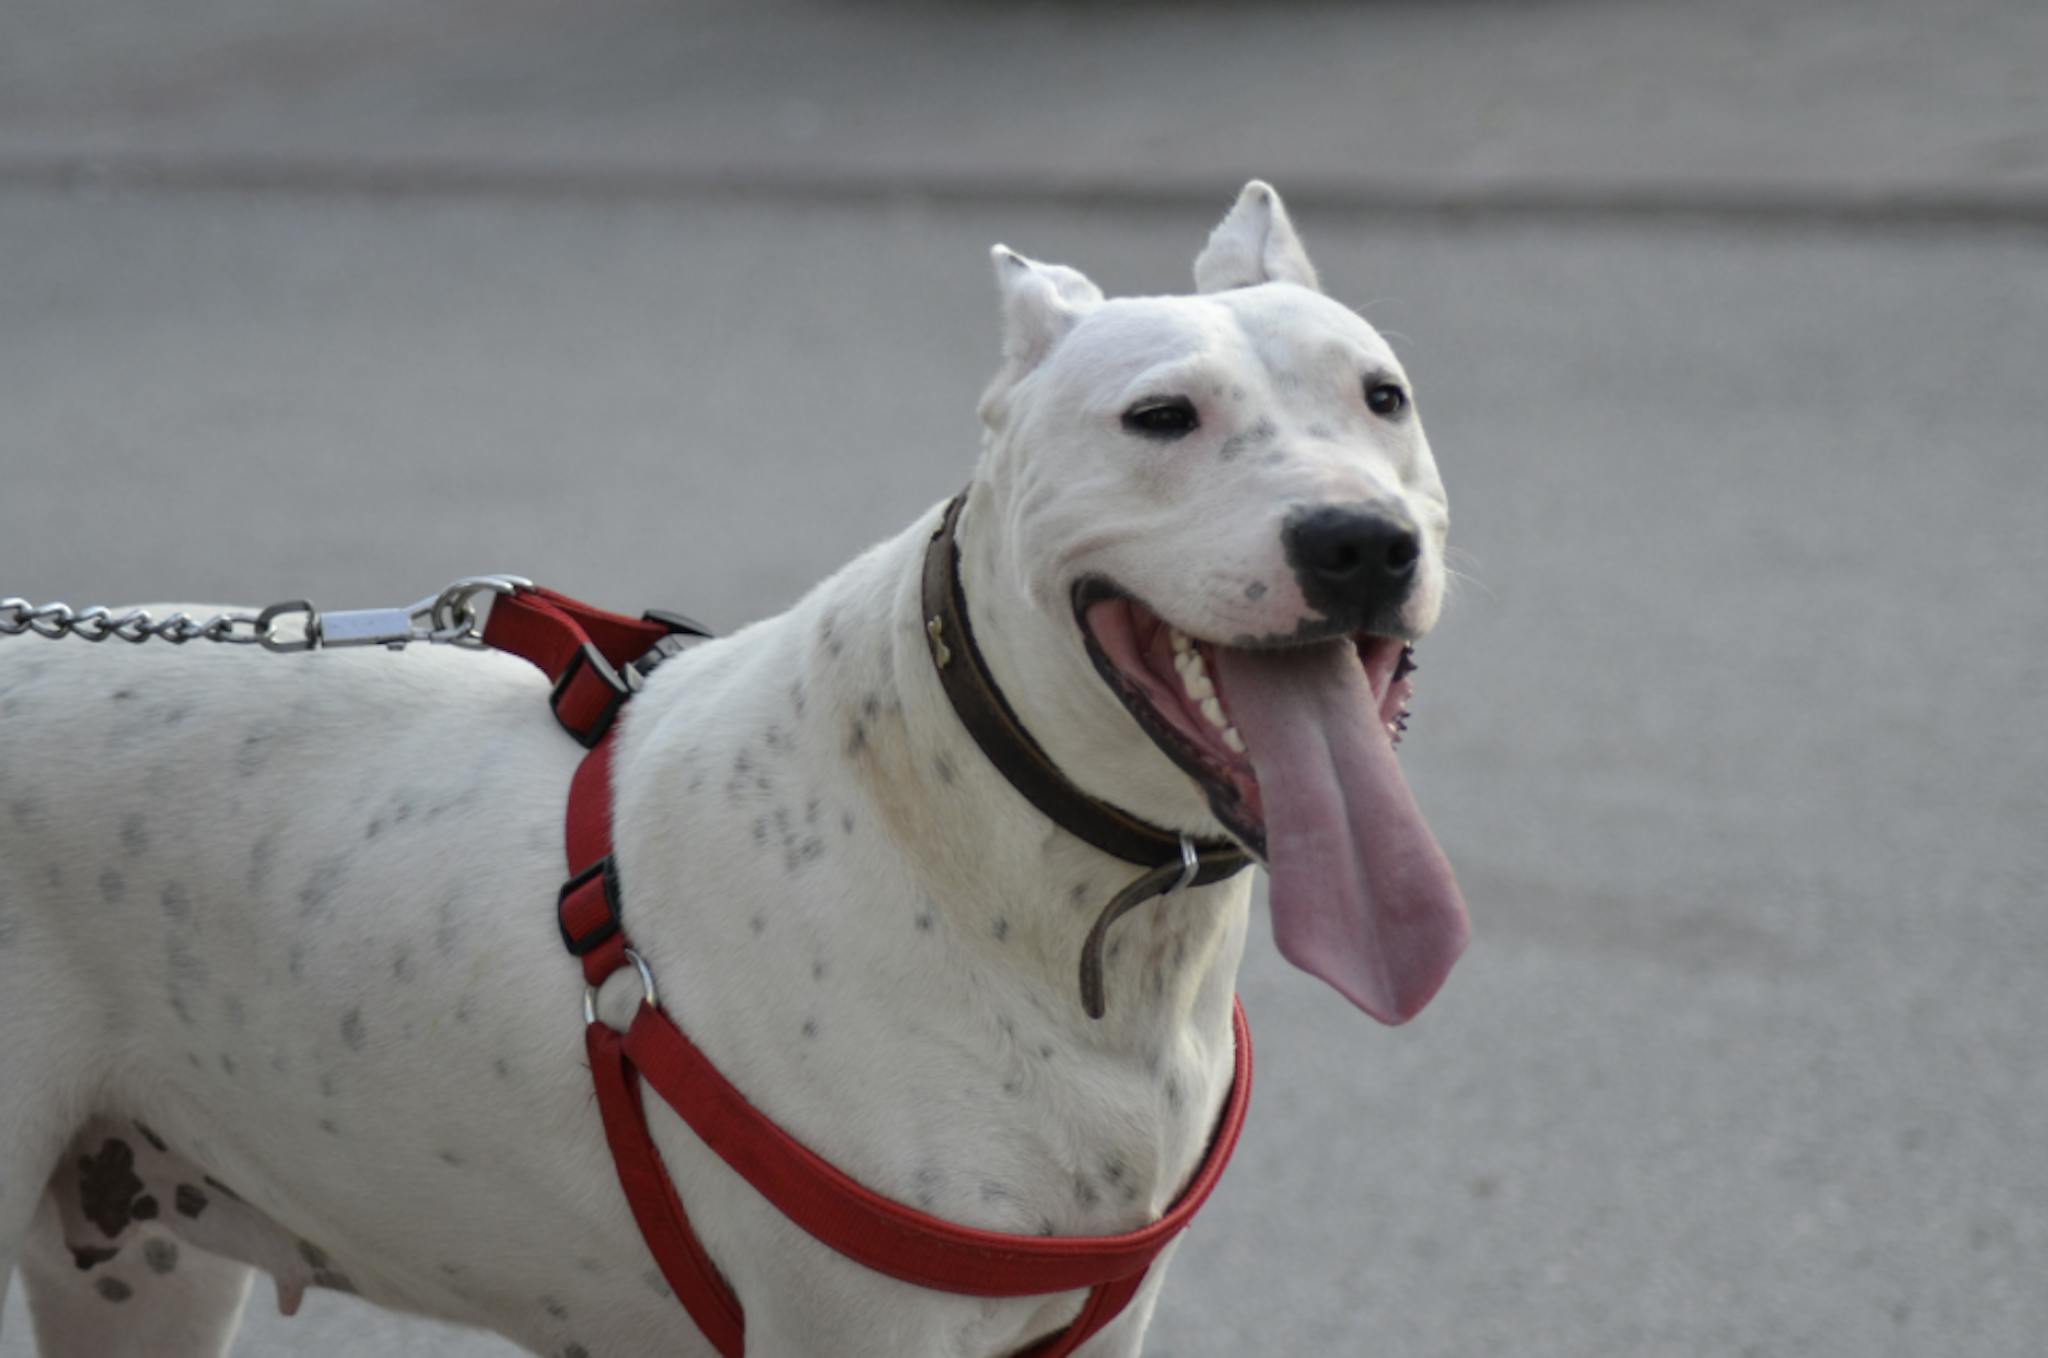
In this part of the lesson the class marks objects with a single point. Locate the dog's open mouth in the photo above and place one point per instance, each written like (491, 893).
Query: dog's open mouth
(1172, 684)
(1293, 745)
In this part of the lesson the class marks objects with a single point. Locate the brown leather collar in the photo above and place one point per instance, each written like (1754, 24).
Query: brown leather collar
(988, 717)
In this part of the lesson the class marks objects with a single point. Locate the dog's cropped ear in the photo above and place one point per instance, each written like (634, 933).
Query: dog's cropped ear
(1041, 303)
(1255, 243)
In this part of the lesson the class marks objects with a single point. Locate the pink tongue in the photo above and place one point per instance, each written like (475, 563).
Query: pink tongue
(1362, 895)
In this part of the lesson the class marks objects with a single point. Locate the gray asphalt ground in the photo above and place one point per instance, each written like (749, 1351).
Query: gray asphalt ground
(1729, 324)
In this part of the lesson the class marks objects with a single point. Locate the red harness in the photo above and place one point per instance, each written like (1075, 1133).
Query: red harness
(585, 652)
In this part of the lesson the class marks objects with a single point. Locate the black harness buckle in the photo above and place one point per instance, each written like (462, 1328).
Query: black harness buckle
(604, 873)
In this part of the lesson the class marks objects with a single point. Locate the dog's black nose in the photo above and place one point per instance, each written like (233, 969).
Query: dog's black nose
(1355, 562)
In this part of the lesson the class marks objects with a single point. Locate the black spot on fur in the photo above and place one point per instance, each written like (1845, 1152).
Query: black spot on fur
(554, 1307)
(808, 850)
(113, 887)
(321, 884)
(401, 964)
(113, 1289)
(88, 1257)
(1255, 590)
(108, 1186)
(352, 1030)
(944, 768)
(856, 738)
(451, 1159)
(134, 833)
(262, 854)
(758, 925)
(175, 901)
(924, 921)
(1002, 930)
(144, 1208)
(575, 1351)
(1173, 1095)
(1261, 433)
(189, 1201)
(846, 822)
(161, 1255)
(811, 1028)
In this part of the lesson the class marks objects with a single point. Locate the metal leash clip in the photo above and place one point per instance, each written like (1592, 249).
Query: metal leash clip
(450, 617)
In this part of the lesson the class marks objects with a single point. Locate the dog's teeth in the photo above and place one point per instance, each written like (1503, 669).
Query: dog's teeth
(1233, 740)
(1198, 684)
(1181, 641)
(1213, 711)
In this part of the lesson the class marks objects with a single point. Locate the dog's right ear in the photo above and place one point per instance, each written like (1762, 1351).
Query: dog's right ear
(1041, 303)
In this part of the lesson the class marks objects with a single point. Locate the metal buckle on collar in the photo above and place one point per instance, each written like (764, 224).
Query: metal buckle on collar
(1190, 865)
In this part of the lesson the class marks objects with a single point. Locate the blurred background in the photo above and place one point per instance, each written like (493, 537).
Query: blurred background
(1730, 325)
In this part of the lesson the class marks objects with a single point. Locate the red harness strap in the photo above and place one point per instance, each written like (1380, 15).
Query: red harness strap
(584, 651)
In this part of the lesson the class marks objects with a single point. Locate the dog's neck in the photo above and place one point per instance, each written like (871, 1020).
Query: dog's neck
(1016, 888)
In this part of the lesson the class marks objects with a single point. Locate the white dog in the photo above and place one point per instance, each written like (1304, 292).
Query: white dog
(283, 990)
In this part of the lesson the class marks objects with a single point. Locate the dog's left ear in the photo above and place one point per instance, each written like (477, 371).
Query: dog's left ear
(1255, 243)
(1041, 303)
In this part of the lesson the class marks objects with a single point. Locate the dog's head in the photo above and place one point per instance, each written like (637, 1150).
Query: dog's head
(1226, 503)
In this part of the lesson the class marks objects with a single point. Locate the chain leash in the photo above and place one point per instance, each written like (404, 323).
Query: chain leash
(450, 618)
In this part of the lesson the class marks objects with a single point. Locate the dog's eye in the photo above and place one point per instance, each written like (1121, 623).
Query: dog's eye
(1168, 419)
(1385, 400)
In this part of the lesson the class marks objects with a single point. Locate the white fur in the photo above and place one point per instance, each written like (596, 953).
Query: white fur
(295, 914)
